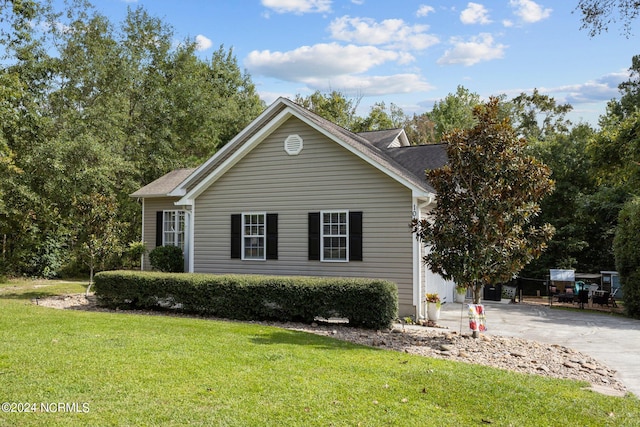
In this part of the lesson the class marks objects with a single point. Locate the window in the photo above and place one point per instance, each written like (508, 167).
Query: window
(253, 236)
(173, 228)
(335, 236)
(335, 232)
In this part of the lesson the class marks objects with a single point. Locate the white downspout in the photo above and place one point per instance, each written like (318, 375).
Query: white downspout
(142, 238)
(417, 276)
(192, 220)
(419, 287)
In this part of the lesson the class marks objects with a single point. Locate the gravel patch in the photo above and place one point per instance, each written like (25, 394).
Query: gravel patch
(514, 354)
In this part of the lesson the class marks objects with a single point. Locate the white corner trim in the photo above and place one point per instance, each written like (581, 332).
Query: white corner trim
(192, 227)
(142, 236)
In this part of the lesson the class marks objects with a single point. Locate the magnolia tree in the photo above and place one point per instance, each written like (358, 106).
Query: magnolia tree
(482, 230)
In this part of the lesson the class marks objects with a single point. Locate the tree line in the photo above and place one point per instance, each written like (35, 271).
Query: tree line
(91, 110)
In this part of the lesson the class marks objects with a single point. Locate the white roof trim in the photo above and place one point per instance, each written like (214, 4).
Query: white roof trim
(415, 189)
(182, 187)
(404, 140)
(262, 133)
(235, 157)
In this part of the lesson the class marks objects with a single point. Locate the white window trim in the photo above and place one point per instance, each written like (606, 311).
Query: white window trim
(322, 235)
(264, 237)
(178, 213)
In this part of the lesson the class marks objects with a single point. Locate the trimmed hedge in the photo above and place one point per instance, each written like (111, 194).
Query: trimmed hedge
(368, 303)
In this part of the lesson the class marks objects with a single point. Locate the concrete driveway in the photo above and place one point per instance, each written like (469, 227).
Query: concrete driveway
(613, 340)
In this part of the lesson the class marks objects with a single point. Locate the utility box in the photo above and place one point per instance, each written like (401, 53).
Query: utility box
(492, 293)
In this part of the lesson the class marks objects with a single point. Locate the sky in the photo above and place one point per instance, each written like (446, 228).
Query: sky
(409, 53)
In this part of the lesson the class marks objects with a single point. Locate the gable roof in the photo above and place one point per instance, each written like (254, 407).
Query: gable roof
(387, 150)
(388, 138)
(164, 185)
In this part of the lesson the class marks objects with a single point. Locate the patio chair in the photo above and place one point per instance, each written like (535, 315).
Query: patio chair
(592, 287)
(612, 298)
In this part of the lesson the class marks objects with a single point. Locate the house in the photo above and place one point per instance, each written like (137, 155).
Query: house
(294, 194)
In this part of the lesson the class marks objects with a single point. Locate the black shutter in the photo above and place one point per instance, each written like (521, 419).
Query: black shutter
(272, 236)
(236, 235)
(314, 236)
(355, 236)
(159, 227)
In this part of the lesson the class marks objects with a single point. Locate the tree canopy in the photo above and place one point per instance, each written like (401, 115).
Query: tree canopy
(94, 108)
(482, 229)
(597, 15)
(91, 107)
(626, 243)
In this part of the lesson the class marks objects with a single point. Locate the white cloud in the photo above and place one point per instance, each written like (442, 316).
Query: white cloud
(269, 97)
(391, 33)
(202, 43)
(477, 49)
(320, 61)
(372, 85)
(298, 6)
(475, 13)
(602, 89)
(424, 10)
(599, 90)
(530, 11)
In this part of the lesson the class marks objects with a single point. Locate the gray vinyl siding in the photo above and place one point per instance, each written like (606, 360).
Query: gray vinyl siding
(151, 206)
(324, 176)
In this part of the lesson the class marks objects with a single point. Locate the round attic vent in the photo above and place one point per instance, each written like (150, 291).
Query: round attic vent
(293, 145)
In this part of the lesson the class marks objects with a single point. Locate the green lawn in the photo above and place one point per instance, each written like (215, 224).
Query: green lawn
(124, 369)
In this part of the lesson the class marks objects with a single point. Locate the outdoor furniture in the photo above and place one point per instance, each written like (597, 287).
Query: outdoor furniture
(592, 287)
(567, 296)
(612, 298)
(601, 298)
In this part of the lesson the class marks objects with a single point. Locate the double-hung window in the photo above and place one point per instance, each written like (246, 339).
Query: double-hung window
(173, 228)
(335, 233)
(253, 236)
(335, 236)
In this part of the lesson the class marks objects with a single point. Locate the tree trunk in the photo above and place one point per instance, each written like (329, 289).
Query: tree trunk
(90, 280)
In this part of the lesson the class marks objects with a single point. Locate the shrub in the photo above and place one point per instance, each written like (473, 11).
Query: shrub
(625, 247)
(133, 254)
(368, 303)
(168, 259)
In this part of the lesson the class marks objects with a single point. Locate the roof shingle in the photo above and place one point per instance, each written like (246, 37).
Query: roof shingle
(165, 184)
